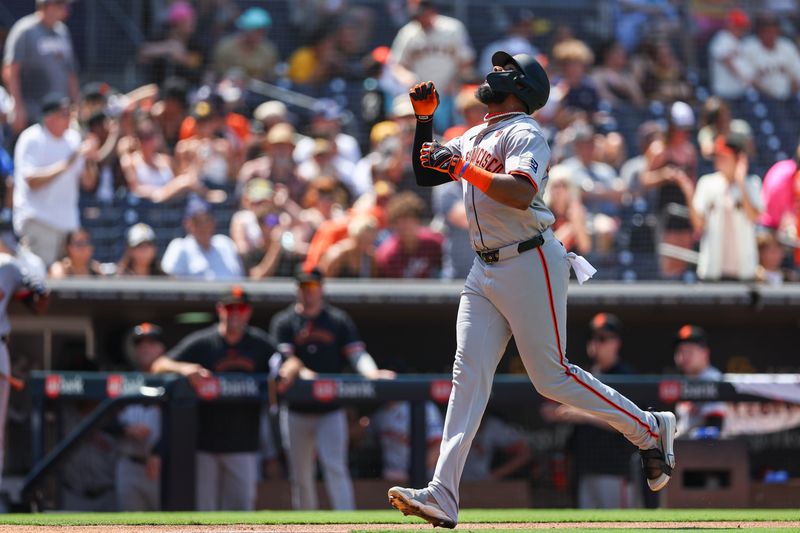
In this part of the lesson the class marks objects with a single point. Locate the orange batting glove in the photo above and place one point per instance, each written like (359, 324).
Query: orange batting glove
(441, 159)
(425, 100)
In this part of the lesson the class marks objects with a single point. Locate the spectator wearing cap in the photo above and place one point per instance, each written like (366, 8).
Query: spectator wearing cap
(176, 52)
(671, 169)
(326, 123)
(725, 208)
(599, 184)
(271, 113)
(715, 120)
(138, 479)
(140, 257)
(605, 484)
(94, 99)
(384, 146)
(412, 250)
(227, 461)
(201, 254)
(276, 163)
(248, 49)
(731, 74)
(433, 47)
(39, 60)
(773, 59)
(266, 230)
(693, 359)
(516, 39)
(208, 151)
(51, 164)
(317, 338)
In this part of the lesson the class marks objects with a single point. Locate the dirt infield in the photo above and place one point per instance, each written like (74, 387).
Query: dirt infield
(346, 528)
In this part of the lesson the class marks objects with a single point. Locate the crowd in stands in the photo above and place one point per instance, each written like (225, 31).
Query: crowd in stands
(197, 174)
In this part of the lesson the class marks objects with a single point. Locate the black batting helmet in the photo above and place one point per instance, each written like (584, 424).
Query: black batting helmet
(529, 83)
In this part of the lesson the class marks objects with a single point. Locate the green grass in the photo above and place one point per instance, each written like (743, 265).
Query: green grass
(393, 517)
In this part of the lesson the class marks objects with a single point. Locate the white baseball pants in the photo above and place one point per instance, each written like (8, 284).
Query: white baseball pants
(525, 296)
(326, 434)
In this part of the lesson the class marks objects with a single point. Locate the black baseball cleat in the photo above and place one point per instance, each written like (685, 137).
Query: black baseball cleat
(419, 503)
(658, 462)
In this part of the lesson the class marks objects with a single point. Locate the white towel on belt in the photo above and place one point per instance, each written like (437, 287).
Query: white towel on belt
(583, 268)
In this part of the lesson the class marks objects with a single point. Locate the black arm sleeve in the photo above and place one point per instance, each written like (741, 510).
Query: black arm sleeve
(426, 177)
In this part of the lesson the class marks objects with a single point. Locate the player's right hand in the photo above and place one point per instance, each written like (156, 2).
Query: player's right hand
(425, 100)
(438, 157)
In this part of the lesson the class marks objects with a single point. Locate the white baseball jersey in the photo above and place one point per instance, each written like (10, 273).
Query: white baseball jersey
(512, 146)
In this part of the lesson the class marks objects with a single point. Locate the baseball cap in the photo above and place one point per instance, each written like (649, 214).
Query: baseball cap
(196, 206)
(234, 295)
(681, 115)
(96, 90)
(54, 102)
(179, 12)
(146, 330)
(738, 18)
(140, 233)
(327, 109)
(281, 133)
(691, 333)
(605, 322)
(254, 18)
(258, 189)
(202, 110)
(271, 109)
(311, 276)
(731, 144)
(43, 2)
(402, 107)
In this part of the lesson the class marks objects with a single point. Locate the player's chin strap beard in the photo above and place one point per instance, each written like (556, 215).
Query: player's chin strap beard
(492, 116)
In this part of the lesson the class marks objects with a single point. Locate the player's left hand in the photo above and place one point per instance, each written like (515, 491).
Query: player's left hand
(438, 157)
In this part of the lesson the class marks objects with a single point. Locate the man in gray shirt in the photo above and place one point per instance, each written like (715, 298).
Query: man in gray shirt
(39, 60)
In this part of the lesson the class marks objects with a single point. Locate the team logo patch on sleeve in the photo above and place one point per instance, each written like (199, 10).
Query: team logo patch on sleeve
(527, 161)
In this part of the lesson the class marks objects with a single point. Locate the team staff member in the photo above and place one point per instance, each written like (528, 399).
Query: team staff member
(517, 284)
(227, 434)
(317, 338)
(139, 466)
(601, 484)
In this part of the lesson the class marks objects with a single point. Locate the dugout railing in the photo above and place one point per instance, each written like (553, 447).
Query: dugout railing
(179, 401)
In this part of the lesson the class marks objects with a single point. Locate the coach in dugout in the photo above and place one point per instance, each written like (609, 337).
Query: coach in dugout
(316, 338)
(227, 434)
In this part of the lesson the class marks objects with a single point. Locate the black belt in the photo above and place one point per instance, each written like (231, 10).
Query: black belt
(136, 459)
(493, 256)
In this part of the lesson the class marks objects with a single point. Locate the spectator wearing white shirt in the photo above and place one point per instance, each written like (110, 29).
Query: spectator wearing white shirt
(433, 47)
(774, 59)
(50, 164)
(731, 74)
(725, 207)
(201, 254)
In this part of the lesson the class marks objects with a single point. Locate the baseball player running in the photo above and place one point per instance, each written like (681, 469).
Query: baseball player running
(517, 285)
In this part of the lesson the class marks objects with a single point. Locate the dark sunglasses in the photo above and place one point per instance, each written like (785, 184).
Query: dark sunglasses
(603, 338)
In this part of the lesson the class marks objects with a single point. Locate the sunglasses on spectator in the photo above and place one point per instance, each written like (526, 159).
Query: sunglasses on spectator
(81, 244)
(603, 338)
